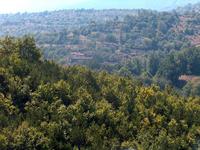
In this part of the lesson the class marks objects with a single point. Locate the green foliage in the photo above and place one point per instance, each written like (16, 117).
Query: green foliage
(25, 137)
(185, 62)
(46, 106)
(105, 31)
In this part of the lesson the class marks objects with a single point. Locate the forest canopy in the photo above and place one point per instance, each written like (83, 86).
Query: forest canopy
(47, 106)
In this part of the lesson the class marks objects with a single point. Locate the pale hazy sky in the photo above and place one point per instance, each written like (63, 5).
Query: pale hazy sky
(13, 6)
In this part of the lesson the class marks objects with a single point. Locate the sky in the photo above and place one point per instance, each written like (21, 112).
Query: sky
(14, 6)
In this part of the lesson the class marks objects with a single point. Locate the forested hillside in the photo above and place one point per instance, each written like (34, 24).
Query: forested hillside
(75, 36)
(156, 47)
(46, 106)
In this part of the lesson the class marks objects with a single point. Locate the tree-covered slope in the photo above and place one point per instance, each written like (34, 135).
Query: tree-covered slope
(110, 34)
(46, 106)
